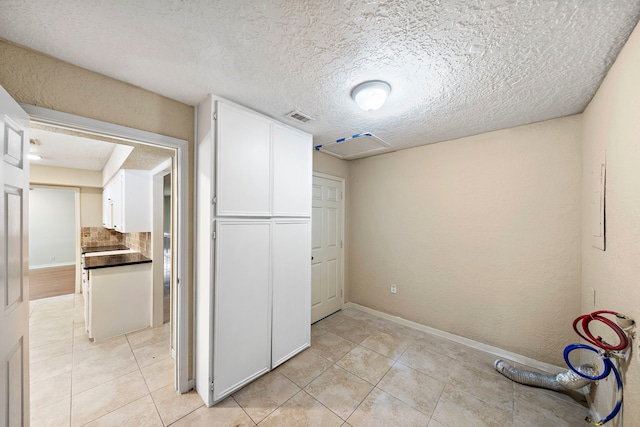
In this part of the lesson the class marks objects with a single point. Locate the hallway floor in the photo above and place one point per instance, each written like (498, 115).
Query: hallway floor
(360, 371)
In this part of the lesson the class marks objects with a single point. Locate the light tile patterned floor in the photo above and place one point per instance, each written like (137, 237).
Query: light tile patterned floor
(360, 371)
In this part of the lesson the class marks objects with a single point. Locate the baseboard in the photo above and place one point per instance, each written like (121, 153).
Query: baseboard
(60, 264)
(524, 360)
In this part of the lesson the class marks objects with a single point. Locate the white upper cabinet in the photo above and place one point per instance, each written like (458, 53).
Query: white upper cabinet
(107, 206)
(243, 163)
(292, 166)
(263, 168)
(128, 207)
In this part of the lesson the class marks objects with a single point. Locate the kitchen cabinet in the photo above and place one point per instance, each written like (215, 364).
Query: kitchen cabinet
(117, 299)
(107, 206)
(127, 201)
(253, 246)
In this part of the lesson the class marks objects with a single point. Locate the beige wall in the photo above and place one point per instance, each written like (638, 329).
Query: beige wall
(33, 78)
(52, 175)
(611, 125)
(90, 207)
(481, 235)
(89, 182)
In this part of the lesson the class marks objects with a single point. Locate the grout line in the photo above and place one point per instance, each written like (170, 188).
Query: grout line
(240, 406)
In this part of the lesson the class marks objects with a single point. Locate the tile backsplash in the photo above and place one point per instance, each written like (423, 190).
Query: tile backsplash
(100, 236)
(140, 242)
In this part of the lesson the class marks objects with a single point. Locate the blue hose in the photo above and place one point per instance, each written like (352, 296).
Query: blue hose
(571, 347)
(616, 409)
(608, 367)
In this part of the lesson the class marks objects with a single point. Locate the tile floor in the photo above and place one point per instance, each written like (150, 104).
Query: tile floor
(360, 371)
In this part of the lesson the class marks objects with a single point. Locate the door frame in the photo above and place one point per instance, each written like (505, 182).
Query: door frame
(342, 182)
(181, 279)
(158, 174)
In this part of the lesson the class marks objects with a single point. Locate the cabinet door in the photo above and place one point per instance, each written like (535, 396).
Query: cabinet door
(117, 204)
(292, 171)
(242, 315)
(243, 162)
(107, 221)
(291, 332)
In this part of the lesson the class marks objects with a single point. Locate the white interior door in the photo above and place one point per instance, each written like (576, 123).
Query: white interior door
(14, 293)
(326, 247)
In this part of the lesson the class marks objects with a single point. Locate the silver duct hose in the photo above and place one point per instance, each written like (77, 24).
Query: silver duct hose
(563, 381)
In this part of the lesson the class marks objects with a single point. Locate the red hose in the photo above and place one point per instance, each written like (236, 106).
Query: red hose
(585, 319)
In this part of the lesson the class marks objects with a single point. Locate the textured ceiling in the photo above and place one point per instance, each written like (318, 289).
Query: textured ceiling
(457, 67)
(78, 150)
(69, 151)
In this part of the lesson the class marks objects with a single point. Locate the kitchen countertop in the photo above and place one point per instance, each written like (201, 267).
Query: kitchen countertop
(89, 249)
(118, 260)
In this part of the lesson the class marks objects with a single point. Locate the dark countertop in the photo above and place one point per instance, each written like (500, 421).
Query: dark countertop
(89, 249)
(118, 260)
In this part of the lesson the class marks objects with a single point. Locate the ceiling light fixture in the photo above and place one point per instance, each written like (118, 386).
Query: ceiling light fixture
(371, 95)
(34, 157)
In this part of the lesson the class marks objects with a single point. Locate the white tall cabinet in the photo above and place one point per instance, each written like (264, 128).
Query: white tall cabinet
(253, 246)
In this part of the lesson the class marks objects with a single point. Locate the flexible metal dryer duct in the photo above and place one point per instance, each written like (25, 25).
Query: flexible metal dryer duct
(563, 381)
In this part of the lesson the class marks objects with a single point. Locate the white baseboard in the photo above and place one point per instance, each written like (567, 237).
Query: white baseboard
(58, 264)
(527, 361)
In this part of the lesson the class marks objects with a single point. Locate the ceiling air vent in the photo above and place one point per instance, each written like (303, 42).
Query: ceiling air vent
(299, 116)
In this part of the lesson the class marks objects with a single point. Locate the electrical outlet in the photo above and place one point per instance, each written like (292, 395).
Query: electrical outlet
(52, 258)
(394, 289)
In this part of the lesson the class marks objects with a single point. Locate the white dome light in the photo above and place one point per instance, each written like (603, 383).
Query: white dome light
(371, 95)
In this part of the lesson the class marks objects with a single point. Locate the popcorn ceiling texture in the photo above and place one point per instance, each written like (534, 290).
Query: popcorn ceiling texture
(457, 67)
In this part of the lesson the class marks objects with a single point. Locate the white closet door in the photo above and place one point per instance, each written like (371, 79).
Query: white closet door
(292, 169)
(242, 314)
(243, 162)
(291, 289)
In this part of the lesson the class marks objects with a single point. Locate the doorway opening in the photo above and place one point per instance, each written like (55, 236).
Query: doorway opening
(327, 245)
(53, 241)
(178, 172)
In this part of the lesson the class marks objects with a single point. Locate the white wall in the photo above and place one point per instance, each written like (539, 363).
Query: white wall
(481, 235)
(52, 227)
(611, 129)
